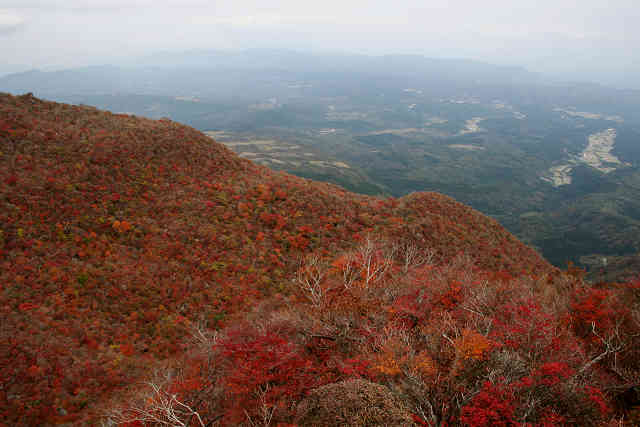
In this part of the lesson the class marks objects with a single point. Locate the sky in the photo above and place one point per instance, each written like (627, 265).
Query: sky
(593, 40)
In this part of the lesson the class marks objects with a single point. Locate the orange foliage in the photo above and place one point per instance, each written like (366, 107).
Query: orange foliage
(472, 345)
(424, 364)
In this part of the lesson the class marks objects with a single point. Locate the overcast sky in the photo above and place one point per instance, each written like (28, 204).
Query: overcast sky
(598, 38)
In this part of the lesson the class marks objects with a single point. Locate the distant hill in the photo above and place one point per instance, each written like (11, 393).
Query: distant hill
(131, 247)
(173, 72)
(6, 69)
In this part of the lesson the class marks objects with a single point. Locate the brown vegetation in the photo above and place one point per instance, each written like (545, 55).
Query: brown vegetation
(352, 403)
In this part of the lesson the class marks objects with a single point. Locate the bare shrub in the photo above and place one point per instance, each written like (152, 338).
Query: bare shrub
(354, 403)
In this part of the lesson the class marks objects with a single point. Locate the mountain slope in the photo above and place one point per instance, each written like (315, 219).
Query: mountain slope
(134, 250)
(117, 230)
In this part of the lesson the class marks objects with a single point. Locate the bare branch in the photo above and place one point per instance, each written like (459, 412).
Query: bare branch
(610, 344)
(310, 278)
(158, 407)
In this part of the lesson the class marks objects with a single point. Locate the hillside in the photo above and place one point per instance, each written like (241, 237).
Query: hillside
(556, 163)
(123, 239)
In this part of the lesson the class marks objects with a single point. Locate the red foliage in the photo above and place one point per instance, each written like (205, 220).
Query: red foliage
(354, 368)
(262, 359)
(552, 373)
(492, 406)
(598, 399)
(593, 306)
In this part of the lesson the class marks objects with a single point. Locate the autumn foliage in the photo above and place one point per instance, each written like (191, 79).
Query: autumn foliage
(148, 275)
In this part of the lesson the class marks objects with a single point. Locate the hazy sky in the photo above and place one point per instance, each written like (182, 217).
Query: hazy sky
(585, 37)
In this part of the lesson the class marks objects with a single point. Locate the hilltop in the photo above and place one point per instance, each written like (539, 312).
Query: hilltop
(123, 238)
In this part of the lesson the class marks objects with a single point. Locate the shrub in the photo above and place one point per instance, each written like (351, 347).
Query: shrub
(354, 403)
